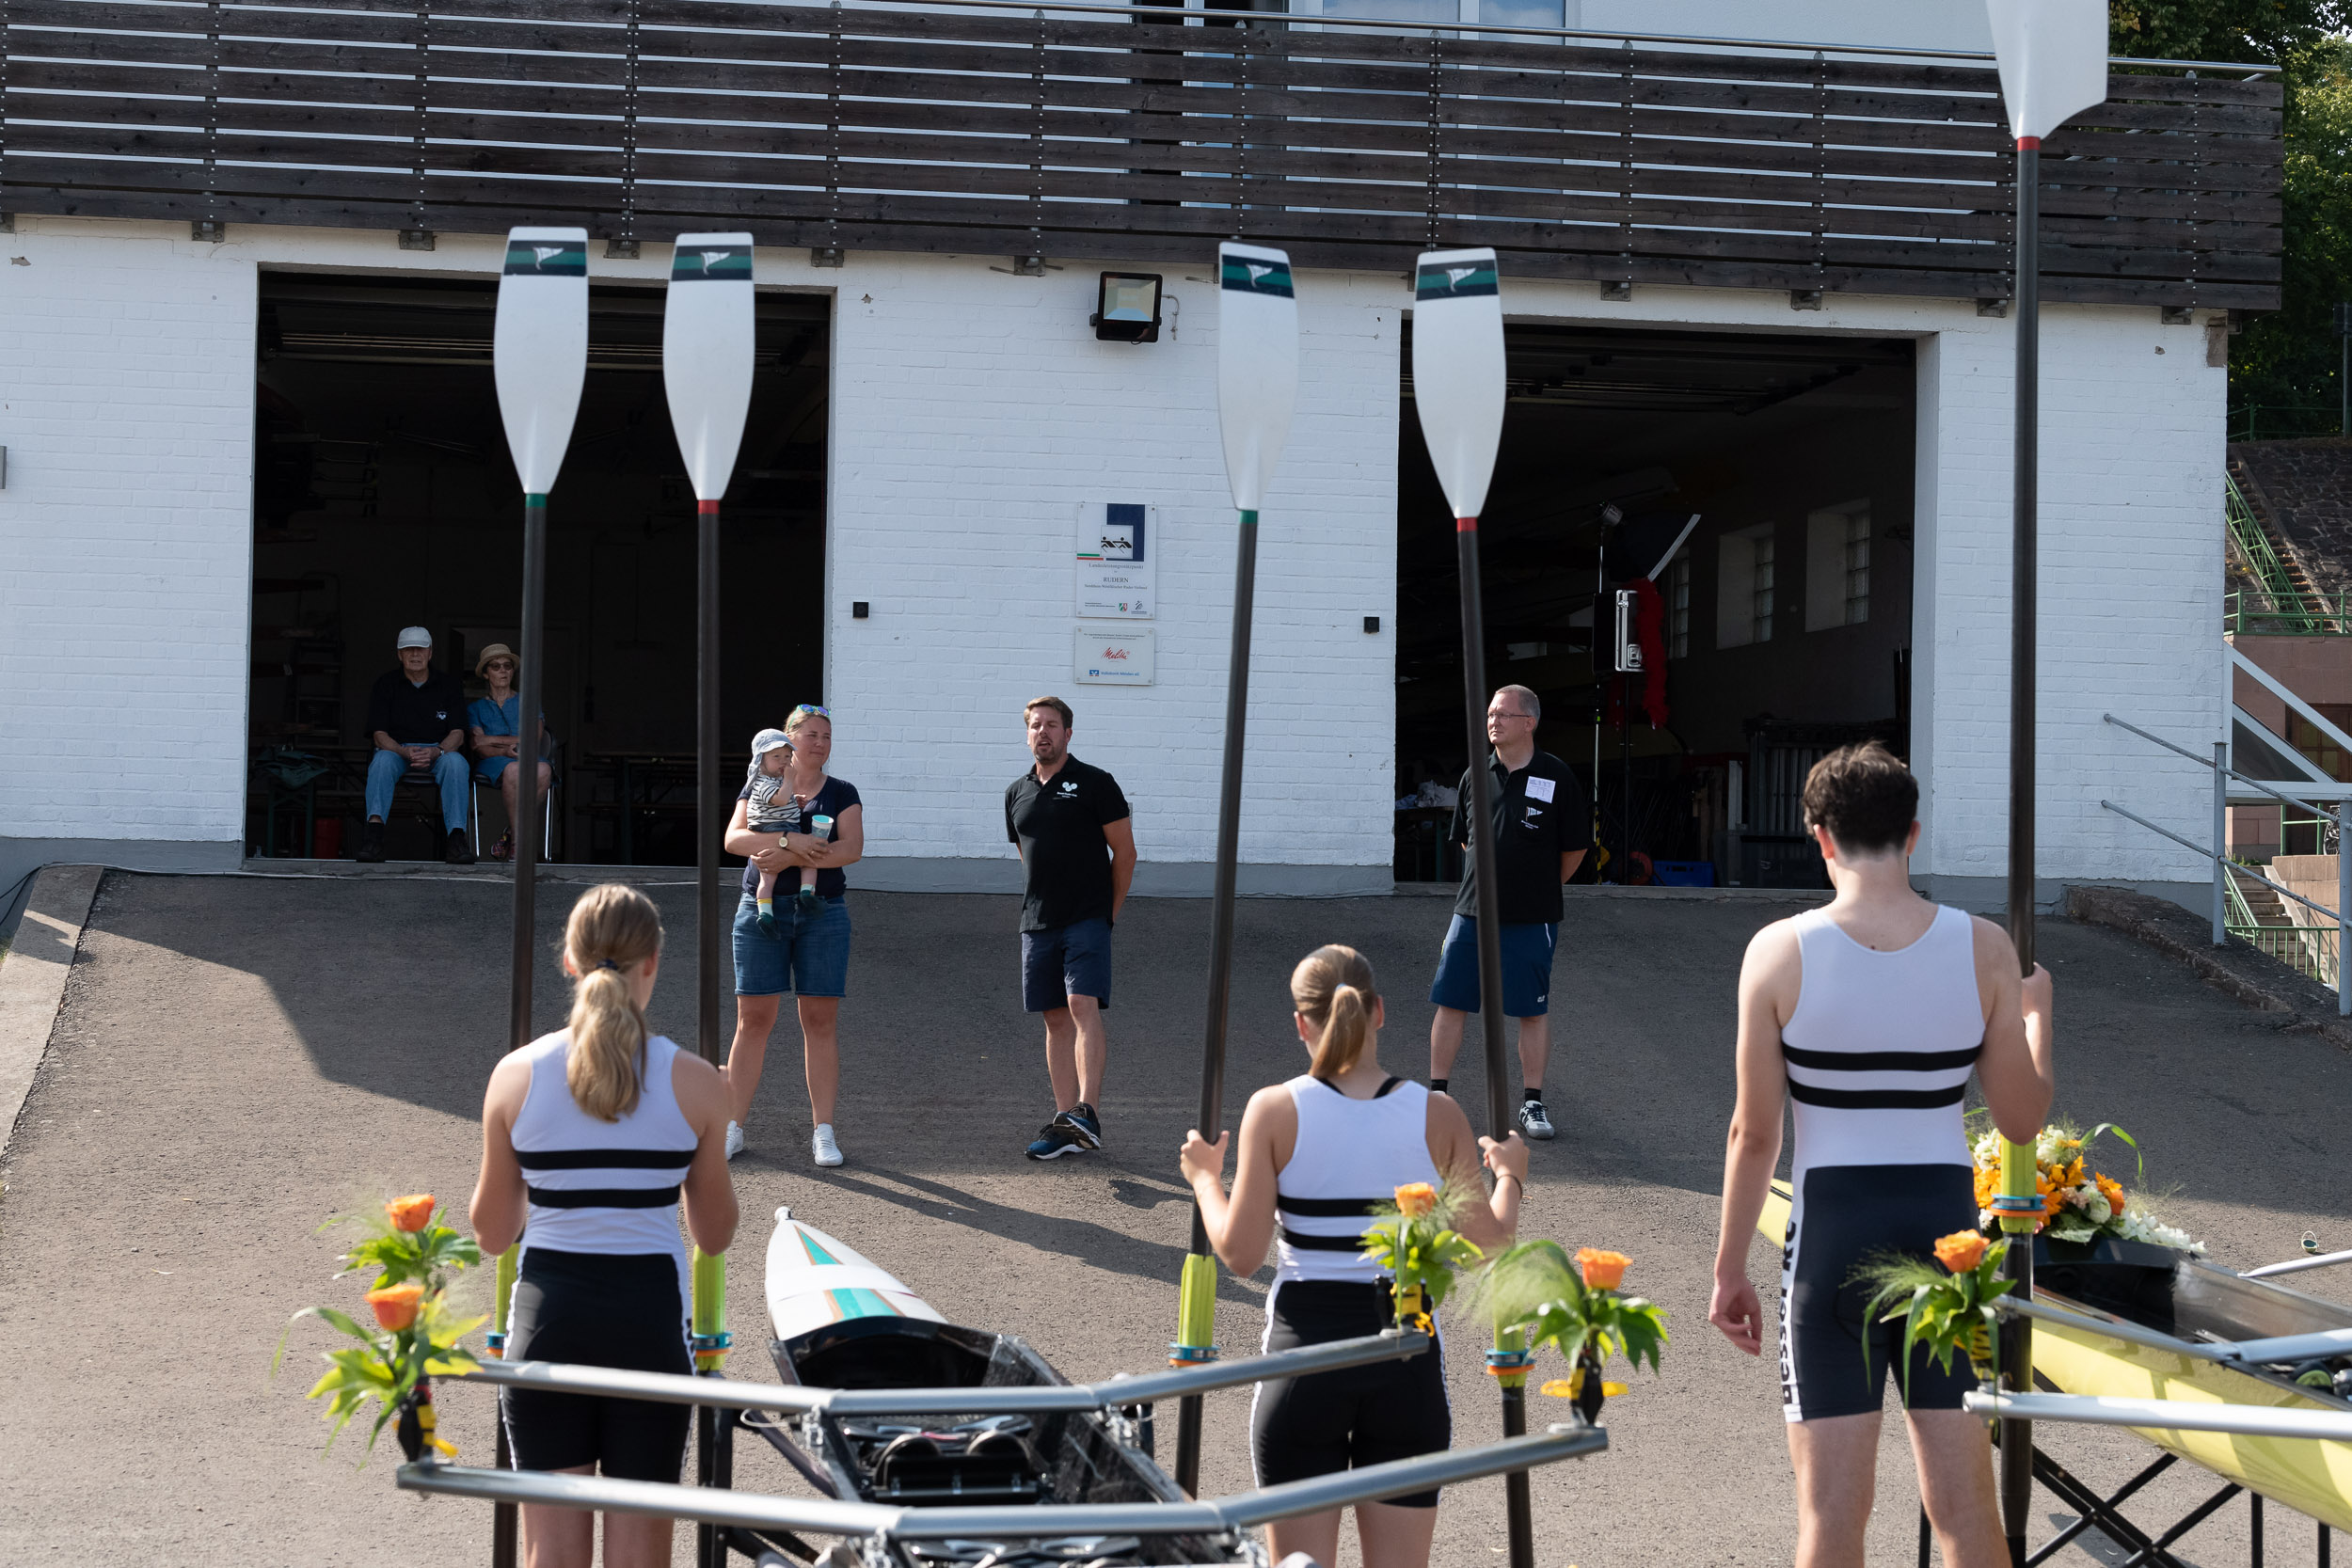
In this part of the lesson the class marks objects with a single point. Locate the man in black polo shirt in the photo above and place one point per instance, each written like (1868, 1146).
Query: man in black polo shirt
(1078, 853)
(416, 718)
(1542, 826)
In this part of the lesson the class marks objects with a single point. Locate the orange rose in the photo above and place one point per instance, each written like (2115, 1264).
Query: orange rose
(410, 1213)
(1601, 1270)
(2112, 1191)
(1415, 1199)
(1961, 1251)
(396, 1305)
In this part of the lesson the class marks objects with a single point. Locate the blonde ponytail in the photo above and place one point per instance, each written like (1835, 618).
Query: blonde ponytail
(612, 929)
(1332, 988)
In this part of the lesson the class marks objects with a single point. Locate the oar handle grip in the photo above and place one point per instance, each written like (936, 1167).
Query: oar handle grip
(2018, 1204)
(502, 1300)
(1196, 1312)
(711, 1340)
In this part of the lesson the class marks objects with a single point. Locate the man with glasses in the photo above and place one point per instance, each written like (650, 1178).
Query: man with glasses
(1542, 826)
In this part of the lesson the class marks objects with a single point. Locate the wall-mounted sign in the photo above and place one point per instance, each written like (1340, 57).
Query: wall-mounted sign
(1118, 568)
(1108, 657)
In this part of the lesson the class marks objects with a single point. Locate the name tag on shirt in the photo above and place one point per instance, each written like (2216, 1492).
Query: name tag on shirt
(1539, 789)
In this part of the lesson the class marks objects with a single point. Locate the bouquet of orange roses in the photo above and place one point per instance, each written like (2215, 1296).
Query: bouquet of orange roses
(1414, 1239)
(1945, 1309)
(416, 1332)
(1576, 1307)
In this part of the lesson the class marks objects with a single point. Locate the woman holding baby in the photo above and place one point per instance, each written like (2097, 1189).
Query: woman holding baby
(797, 945)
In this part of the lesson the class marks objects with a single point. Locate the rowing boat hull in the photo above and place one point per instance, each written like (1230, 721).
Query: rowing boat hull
(814, 1280)
(2311, 1477)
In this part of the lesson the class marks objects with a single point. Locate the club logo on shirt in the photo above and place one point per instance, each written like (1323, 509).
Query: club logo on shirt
(1069, 789)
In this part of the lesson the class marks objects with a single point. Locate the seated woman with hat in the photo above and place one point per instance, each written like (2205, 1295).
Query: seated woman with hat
(495, 726)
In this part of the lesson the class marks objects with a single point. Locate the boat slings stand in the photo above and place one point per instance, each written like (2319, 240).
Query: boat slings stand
(2106, 1515)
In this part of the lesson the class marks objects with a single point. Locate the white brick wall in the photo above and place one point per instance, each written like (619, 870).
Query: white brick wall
(126, 404)
(972, 411)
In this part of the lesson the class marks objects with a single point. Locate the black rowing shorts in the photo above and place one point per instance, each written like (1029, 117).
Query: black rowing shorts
(598, 1310)
(1327, 1422)
(1842, 1215)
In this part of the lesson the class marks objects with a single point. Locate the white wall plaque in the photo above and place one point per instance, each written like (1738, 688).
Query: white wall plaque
(1110, 657)
(1117, 562)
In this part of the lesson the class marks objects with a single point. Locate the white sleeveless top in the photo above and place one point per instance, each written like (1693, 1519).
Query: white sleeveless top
(1350, 1155)
(1880, 1045)
(603, 1186)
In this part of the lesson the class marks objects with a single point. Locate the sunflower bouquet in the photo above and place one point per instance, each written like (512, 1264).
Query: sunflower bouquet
(1414, 1239)
(1945, 1306)
(414, 1337)
(1575, 1306)
(2079, 1204)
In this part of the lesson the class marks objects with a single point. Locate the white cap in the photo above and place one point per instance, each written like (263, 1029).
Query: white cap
(413, 637)
(770, 741)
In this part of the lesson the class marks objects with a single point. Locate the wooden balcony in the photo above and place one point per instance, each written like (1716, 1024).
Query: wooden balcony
(1012, 132)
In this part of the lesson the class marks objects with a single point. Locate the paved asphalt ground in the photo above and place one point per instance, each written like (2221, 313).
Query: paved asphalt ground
(239, 1059)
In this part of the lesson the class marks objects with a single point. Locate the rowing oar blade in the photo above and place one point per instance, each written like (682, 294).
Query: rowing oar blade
(539, 358)
(1458, 390)
(1257, 387)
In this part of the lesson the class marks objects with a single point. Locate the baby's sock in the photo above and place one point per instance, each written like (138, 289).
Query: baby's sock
(766, 905)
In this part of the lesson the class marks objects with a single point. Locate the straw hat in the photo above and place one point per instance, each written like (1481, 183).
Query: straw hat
(497, 650)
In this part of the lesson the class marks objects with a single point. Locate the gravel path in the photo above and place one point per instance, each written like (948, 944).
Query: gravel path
(238, 1059)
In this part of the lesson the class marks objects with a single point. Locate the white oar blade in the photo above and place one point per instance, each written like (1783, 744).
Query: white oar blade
(1457, 370)
(540, 347)
(2054, 60)
(706, 340)
(1257, 364)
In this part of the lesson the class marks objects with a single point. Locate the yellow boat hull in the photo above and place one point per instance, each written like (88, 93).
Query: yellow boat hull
(2312, 1478)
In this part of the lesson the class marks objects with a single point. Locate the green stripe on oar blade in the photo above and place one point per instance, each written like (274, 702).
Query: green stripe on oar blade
(546, 258)
(1455, 280)
(1250, 274)
(710, 264)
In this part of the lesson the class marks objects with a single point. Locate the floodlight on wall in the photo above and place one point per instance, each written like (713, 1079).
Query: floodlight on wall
(1129, 308)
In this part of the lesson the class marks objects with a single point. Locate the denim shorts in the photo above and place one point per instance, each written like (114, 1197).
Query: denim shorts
(1068, 960)
(809, 954)
(1526, 968)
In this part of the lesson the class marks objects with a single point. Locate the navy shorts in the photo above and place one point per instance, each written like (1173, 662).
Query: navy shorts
(809, 954)
(1526, 968)
(598, 1310)
(1068, 960)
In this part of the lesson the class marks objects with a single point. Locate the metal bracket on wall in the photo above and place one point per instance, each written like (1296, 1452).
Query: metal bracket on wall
(623, 248)
(209, 230)
(1029, 266)
(2173, 315)
(1993, 308)
(824, 256)
(1804, 299)
(8, 223)
(1616, 291)
(415, 239)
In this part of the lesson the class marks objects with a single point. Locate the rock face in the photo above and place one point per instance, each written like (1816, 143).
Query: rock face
(2305, 490)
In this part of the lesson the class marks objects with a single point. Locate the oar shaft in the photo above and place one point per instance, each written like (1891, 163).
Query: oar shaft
(713, 930)
(1519, 1510)
(1196, 1321)
(2017, 1160)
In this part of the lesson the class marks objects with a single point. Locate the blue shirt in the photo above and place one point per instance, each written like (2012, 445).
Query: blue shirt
(836, 797)
(495, 717)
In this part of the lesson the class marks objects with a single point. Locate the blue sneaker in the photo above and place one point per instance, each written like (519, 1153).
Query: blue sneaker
(1083, 1120)
(1053, 1141)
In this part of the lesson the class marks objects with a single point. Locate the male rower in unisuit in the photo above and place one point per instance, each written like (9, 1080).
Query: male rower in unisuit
(1078, 855)
(1869, 1013)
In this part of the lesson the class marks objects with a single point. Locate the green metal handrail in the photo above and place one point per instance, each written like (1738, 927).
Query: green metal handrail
(2309, 950)
(2293, 613)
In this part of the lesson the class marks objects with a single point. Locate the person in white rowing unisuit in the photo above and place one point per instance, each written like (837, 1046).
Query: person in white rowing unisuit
(1316, 1153)
(593, 1134)
(1869, 1013)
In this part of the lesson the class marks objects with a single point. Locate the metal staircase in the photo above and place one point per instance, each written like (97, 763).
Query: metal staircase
(2279, 597)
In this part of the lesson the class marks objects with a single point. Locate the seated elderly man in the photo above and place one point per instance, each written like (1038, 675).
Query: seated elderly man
(418, 718)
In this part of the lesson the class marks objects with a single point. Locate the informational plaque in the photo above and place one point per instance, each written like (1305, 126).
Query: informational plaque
(1109, 656)
(1118, 572)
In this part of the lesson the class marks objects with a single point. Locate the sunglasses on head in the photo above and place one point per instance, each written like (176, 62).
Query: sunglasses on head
(812, 707)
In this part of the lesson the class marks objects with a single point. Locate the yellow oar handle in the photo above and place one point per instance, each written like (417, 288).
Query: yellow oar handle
(2017, 1203)
(1196, 1312)
(505, 1299)
(711, 1340)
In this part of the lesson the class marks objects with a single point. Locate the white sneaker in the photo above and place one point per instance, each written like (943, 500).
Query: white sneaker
(821, 1146)
(735, 1140)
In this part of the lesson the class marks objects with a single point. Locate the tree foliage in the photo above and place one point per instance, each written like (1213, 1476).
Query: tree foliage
(2289, 357)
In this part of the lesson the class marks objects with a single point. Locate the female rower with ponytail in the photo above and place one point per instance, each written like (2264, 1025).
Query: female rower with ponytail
(592, 1134)
(1316, 1153)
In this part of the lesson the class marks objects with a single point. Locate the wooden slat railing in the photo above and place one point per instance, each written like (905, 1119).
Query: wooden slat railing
(1025, 135)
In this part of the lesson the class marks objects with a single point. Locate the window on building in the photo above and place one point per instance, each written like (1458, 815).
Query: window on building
(2313, 742)
(1678, 607)
(1838, 566)
(1744, 581)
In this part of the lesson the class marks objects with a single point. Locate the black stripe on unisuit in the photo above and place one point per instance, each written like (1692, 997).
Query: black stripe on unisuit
(1877, 1100)
(1882, 1061)
(1326, 1208)
(1321, 1244)
(603, 1197)
(604, 1159)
